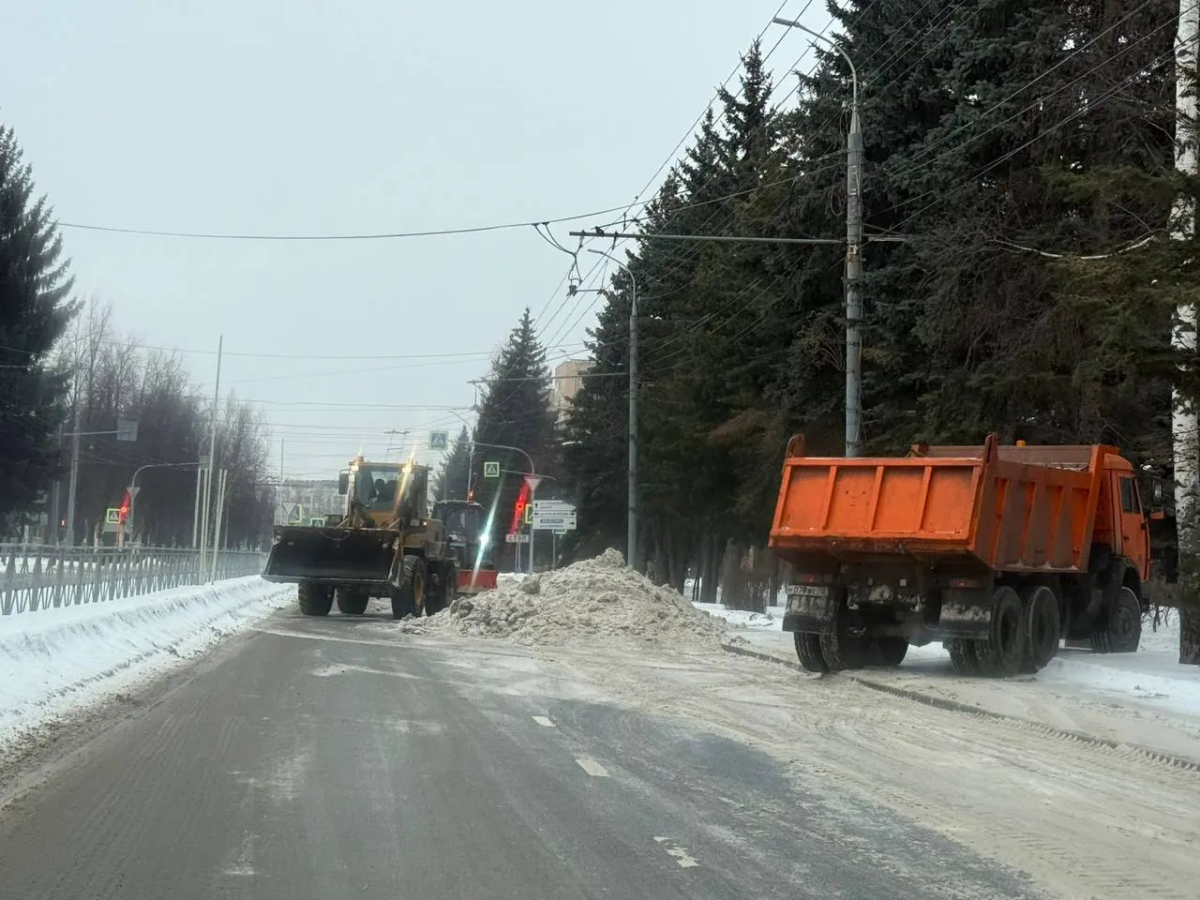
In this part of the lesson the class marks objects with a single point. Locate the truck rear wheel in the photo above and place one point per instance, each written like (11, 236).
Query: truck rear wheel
(886, 652)
(962, 657)
(1001, 652)
(1043, 627)
(351, 602)
(409, 597)
(808, 650)
(1122, 632)
(843, 649)
(315, 599)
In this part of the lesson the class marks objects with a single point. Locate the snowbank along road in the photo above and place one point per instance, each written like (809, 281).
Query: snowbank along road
(350, 756)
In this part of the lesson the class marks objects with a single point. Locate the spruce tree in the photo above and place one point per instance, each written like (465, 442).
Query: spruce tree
(514, 412)
(34, 312)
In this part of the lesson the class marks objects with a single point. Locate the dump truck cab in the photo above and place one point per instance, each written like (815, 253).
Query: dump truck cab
(999, 552)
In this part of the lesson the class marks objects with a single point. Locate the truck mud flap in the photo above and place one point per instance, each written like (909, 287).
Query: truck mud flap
(810, 608)
(965, 614)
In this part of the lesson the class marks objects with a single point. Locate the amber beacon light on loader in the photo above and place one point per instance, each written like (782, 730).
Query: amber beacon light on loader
(999, 552)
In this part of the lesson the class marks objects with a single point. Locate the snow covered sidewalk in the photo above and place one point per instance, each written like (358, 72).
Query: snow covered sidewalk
(55, 662)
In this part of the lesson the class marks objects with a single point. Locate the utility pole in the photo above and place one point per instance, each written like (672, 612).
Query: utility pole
(1185, 441)
(74, 483)
(854, 266)
(210, 480)
(631, 538)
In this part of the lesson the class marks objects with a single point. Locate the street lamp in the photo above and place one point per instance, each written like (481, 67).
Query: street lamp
(631, 539)
(854, 267)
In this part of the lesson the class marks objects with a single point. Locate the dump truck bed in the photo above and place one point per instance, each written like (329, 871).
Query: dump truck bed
(1007, 508)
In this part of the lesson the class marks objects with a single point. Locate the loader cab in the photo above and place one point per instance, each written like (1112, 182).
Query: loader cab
(383, 489)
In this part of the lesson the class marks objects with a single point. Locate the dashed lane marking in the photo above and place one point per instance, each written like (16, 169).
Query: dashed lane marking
(592, 767)
(680, 854)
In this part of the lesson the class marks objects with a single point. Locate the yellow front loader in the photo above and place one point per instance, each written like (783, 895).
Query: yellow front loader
(384, 544)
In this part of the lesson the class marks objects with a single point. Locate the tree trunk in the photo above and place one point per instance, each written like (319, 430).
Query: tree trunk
(710, 568)
(740, 588)
(1189, 636)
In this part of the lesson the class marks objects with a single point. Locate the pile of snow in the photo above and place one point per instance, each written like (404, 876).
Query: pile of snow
(56, 660)
(593, 597)
(741, 618)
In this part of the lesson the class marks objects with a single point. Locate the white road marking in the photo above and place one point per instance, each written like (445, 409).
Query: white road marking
(680, 854)
(544, 721)
(592, 767)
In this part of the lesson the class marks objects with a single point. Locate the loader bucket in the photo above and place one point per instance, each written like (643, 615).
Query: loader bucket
(473, 582)
(331, 555)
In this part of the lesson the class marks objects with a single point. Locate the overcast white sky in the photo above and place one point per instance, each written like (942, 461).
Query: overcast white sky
(306, 117)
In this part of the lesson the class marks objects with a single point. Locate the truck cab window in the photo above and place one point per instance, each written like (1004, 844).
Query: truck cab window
(1129, 497)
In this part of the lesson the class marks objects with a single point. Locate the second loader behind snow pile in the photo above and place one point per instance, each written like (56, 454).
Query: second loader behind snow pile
(385, 544)
(999, 552)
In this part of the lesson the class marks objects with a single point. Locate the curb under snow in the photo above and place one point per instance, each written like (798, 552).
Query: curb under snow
(57, 661)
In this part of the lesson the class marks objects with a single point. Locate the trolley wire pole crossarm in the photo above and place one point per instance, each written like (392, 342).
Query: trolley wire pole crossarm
(719, 238)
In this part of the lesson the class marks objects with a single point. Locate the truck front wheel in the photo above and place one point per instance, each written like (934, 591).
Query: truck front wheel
(808, 650)
(886, 651)
(962, 657)
(315, 599)
(1001, 652)
(1122, 631)
(351, 602)
(409, 597)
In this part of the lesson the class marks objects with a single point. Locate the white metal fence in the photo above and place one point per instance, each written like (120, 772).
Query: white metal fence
(34, 576)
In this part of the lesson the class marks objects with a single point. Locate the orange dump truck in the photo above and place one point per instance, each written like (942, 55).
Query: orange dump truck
(998, 552)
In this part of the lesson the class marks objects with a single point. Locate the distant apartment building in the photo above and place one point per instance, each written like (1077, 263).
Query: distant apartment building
(568, 379)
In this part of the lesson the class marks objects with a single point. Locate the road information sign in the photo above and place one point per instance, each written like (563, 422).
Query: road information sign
(516, 539)
(553, 515)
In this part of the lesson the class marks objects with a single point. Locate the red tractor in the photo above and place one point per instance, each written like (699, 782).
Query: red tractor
(468, 539)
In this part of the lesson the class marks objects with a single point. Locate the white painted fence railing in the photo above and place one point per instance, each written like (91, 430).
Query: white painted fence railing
(35, 576)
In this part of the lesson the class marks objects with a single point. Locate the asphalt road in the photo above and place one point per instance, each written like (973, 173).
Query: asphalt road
(341, 758)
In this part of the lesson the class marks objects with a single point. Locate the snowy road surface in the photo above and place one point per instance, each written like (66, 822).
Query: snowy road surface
(342, 757)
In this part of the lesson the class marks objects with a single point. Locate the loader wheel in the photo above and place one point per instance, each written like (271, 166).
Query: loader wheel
(1123, 631)
(1043, 627)
(886, 652)
(962, 657)
(843, 648)
(409, 598)
(1000, 653)
(351, 603)
(808, 650)
(315, 599)
(442, 591)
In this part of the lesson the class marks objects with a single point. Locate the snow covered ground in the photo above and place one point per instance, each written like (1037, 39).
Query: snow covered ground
(1144, 697)
(55, 662)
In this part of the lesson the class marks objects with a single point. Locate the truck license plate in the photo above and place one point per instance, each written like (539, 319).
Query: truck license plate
(807, 590)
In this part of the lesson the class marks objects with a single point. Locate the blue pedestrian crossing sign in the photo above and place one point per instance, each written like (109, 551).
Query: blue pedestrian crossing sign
(439, 440)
